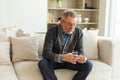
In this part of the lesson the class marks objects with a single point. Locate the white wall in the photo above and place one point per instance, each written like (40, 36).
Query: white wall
(3, 12)
(30, 15)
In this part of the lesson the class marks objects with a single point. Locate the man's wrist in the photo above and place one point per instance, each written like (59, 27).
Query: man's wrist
(58, 58)
(63, 57)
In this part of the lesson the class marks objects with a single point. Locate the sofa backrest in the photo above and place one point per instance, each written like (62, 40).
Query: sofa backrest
(89, 43)
(5, 33)
(29, 47)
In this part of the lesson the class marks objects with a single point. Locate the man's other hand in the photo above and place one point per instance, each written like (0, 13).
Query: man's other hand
(82, 59)
(69, 57)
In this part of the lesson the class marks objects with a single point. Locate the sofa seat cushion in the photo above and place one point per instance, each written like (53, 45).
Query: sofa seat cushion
(7, 73)
(28, 70)
(100, 71)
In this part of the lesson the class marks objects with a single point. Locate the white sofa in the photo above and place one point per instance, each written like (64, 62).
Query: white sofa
(25, 53)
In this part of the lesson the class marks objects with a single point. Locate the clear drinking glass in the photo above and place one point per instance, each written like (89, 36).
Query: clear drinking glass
(75, 52)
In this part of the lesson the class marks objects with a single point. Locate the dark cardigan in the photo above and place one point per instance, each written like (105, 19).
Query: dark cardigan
(54, 46)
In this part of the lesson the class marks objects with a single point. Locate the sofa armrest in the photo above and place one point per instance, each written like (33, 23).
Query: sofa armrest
(109, 52)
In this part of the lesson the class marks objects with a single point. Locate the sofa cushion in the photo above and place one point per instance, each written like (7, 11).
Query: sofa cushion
(9, 30)
(100, 71)
(95, 74)
(4, 53)
(41, 44)
(25, 48)
(28, 70)
(41, 41)
(7, 73)
(4, 37)
(90, 43)
(6, 32)
(21, 33)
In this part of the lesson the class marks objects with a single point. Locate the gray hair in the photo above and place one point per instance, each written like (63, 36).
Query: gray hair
(67, 13)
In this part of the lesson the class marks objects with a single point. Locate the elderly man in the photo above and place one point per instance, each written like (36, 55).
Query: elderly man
(63, 49)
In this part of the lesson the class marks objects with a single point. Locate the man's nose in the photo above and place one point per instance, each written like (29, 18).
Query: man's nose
(71, 27)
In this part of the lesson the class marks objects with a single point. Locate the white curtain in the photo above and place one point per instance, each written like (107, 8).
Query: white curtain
(114, 21)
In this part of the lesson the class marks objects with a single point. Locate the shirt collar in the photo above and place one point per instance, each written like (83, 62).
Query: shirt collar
(62, 31)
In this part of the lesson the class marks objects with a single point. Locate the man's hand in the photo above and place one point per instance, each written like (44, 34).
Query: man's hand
(72, 58)
(82, 59)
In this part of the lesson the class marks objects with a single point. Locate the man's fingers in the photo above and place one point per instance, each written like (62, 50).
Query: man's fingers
(82, 59)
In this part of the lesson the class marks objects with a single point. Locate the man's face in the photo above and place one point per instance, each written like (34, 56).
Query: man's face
(69, 24)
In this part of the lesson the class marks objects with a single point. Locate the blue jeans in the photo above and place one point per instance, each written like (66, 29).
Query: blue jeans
(47, 68)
